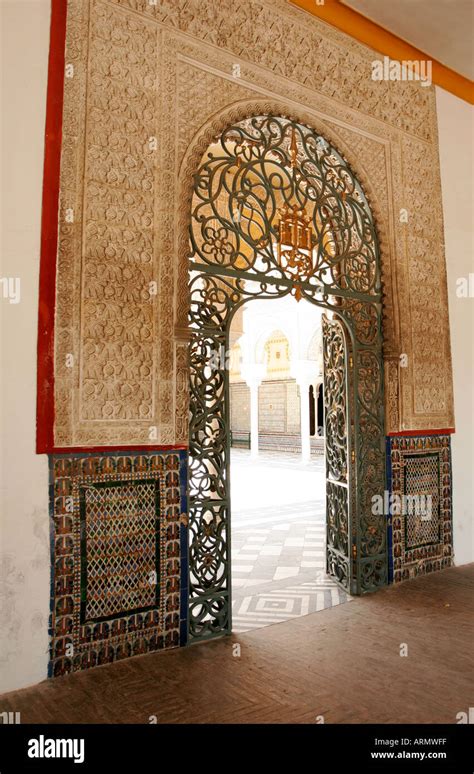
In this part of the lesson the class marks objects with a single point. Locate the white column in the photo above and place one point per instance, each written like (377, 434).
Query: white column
(254, 387)
(253, 374)
(304, 371)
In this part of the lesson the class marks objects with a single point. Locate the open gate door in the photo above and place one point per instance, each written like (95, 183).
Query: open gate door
(339, 482)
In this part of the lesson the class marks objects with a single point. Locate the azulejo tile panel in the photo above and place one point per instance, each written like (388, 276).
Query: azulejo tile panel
(119, 556)
(420, 466)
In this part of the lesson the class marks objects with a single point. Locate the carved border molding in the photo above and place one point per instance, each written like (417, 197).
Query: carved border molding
(166, 72)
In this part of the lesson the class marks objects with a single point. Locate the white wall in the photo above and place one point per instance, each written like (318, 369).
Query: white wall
(456, 133)
(24, 524)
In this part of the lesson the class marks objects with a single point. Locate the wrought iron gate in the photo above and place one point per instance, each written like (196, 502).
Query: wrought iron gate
(338, 447)
(276, 210)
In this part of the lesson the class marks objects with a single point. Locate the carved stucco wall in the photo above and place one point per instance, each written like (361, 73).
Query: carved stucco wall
(149, 87)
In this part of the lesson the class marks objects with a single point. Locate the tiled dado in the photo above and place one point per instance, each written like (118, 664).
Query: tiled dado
(420, 465)
(119, 556)
(119, 544)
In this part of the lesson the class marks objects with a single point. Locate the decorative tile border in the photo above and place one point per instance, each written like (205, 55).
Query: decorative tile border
(420, 464)
(119, 556)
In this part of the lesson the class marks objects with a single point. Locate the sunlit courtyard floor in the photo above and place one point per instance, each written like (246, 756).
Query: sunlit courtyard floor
(278, 539)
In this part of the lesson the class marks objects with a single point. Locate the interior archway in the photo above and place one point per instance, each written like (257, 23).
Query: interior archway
(276, 210)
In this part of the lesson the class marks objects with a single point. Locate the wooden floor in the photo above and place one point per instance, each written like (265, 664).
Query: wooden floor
(342, 663)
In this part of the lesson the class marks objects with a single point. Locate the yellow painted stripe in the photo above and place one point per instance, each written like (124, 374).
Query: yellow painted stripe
(371, 34)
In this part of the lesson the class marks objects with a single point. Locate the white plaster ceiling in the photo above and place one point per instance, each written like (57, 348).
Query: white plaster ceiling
(443, 29)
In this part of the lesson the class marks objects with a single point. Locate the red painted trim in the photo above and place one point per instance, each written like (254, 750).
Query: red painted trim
(101, 449)
(49, 229)
(446, 431)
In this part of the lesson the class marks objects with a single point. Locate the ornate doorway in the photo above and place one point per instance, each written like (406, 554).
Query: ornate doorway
(276, 210)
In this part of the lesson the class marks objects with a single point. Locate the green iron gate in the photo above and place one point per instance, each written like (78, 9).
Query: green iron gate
(276, 210)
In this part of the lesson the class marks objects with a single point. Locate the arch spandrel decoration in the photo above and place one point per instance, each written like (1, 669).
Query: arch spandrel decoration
(392, 147)
(276, 210)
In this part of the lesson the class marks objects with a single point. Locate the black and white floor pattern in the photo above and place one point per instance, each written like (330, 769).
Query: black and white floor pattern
(278, 540)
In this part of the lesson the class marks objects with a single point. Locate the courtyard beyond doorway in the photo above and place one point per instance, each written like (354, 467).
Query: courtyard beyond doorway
(278, 539)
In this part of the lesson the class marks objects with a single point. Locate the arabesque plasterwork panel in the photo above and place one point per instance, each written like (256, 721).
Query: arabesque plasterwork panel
(150, 86)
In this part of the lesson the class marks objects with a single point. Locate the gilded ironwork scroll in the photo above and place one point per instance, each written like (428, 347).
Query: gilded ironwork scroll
(276, 210)
(264, 171)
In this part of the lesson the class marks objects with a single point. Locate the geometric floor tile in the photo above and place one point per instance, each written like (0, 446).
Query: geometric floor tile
(275, 606)
(278, 540)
